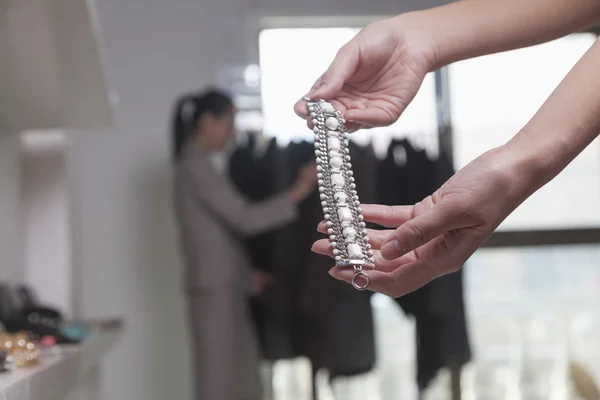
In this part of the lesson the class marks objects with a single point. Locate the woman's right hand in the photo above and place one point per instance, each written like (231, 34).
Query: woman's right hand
(305, 182)
(376, 75)
(436, 236)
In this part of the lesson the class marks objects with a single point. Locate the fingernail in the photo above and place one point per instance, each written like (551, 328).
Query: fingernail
(391, 249)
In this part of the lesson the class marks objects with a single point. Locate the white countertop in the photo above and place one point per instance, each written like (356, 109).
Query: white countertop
(55, 375)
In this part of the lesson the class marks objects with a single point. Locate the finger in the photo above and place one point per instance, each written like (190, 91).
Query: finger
(422, 229)
(387, 216)
(301, 109)
(405, 279)
(448, 252)
(324, 247)
(370, 117)
(376, 237)
(340, 70)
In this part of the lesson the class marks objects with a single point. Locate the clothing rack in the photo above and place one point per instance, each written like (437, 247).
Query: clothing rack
(303, 270)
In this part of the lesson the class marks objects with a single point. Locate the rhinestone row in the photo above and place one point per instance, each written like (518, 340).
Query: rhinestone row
(341, 205)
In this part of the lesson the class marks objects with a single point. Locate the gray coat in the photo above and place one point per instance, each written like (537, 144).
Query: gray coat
(213, 216)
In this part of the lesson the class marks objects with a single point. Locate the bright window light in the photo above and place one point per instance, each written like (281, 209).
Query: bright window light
(493, 97)
(291, 60)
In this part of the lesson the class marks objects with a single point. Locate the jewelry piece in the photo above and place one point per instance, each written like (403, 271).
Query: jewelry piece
(341, 206)
(21, 352)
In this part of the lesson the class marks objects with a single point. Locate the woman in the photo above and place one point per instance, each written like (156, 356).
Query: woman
(212, 218)
(376, 75)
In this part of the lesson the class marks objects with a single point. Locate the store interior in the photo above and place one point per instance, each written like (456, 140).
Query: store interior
(87, 225)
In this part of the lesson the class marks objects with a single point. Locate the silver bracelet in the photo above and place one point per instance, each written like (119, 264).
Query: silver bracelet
(341, 206)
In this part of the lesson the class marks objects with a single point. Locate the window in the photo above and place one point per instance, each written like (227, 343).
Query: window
(291, 60)
(492, 98)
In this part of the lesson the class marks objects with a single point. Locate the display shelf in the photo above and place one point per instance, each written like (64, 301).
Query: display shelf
(56, 375)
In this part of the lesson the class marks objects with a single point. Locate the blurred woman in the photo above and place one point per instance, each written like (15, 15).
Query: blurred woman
(213, 217)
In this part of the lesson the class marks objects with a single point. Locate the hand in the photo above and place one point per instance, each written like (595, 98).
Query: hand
(438, 235)
(305, 182)
(260, 282)
(376, 75)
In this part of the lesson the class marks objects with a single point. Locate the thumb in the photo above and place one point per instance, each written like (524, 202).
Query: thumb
(420, 230)
(341, 69)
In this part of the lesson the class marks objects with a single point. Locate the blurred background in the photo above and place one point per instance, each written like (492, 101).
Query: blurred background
(86, 219)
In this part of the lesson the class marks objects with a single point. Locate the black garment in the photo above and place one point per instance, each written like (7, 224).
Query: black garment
(254, 175)
(438, 308)
(306, 312)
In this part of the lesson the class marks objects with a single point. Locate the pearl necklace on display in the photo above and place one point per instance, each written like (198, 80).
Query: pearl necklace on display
(341, 206)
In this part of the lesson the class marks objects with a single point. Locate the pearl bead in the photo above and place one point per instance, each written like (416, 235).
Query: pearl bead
(338, 258)
(336, 162)
(336, 252)
(327, 216)
(323, 196)
(332, 123)
(316, 129)
(327, 107)
(320, 176)
(345, 214)
(330, 231)
(337, 180)
(354, 250)
(340, 197)
(332, 237)
(334, 143)
(349, 233)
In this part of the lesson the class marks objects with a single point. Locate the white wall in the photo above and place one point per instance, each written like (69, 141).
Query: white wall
(124, 240)
(11, 256)
(46, 219)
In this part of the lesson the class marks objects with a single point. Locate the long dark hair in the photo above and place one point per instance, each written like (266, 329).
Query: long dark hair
(187, 111)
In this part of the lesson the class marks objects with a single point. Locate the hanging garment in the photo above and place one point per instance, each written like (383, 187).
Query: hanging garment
(255, 175)
(405, 178)
(309, 313)
(341, 316)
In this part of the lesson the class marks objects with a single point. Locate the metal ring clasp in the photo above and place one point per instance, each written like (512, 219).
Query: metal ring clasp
(355, 283)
